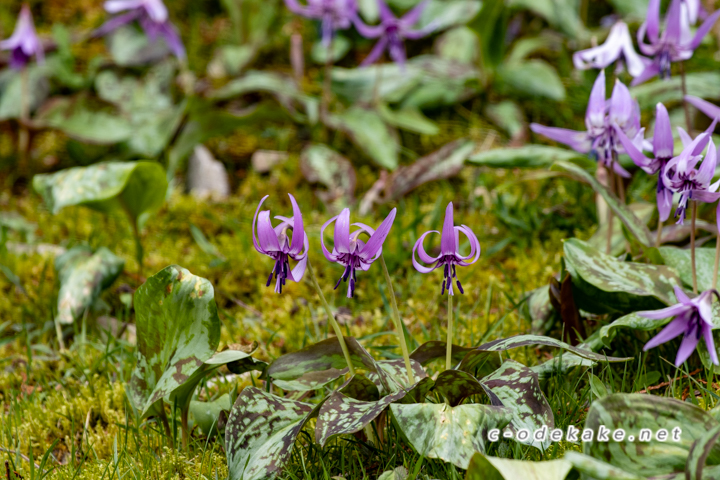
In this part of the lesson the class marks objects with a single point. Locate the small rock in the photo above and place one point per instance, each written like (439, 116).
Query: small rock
(206, 177)
(264, 160)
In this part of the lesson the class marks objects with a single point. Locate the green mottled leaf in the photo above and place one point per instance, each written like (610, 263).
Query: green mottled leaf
(460, 44)
(391, 375)
(679, 260)
(11, 90)
(619, 244)
(178, 330)
(398, 473)
(534, 78)
(138, 188)
(451, 434)
(539, 309)
(633, 321)
(597, 469)
(318, 364)
(83, 276)
(261, 432)
(626, 216)
(443, 14)
(410, 119)
(84, 122)
(518, 389)
(321, 164)
(360, 387)
(603, 284)
(528, 156)
(130, 47)
(493, 468)
(435, 350)
(479, 354)
(341, 415)
(699, 452)
(509, 117)
(368, 131)
(340, 47)
(561, 365)
(456, 385)
(211, 417)
(699, 84)
(635, 412)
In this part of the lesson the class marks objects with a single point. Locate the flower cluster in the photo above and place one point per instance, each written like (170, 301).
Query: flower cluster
(352, 252)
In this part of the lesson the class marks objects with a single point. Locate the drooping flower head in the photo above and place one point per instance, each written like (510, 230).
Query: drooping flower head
(278, 245)
(450, 256)
(24, 42)
(683, 175)
(602, 119)
(663, 148)
(693, 319)
(617, 48)
(675, 43)
(392, 32)
(152, 15)
(352, 252)
(334, 15)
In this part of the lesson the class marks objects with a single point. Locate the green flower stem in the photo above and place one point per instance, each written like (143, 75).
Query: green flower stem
(448, 355)
(611, 188)
(658, 238)
(717, 262)
(398, 323)
(331, 319)
(24, 134)
(692, 246)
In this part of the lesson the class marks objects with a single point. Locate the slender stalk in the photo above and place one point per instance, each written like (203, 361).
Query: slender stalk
(620, 188)
(185, 427)
(24, 134)
(398, 323)
(327, 83)
(331, 319)
(717, 262)
(611, 187)
(166, 424)
(692, 246)
(685, 104)
(448, 354)
(58, 332)
(658, 237)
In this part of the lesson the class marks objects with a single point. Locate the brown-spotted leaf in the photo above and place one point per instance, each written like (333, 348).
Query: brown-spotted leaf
(318, 364)
(178, 330)
(604, 284)
(639, 414)
(435, 350)
(518, 388)
(456, 385)
(493, 468)
(699, 453)
(391, 376)
(83, 276)
(261, 432)
(360, 387)
(451, 434)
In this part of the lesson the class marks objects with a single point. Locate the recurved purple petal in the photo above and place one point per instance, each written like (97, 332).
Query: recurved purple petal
(595, 114)
(331, 257)
(157, 10)
(447, 241)
(651, 70)
(116, 22)
(413, 16)
(681, 296)
(342, 232)
(257, 210)
(420, 250)
(707, 168)
(673, 17)
(605, 54)
(298, 228)
(704, 306)
(666, 312)
(621, 105)
(386, 15)
(653, 20)
(663, 145)
(664, 202)
(115, 6)
(375, 243)
(297, 273)
(712, 111)
(266, 234)
(578, 141)
(687, 346)
(672, 330)
(710, 343)
(376, 52)
(704, 29)
(365, 30)
(647, 164)
(474, 245)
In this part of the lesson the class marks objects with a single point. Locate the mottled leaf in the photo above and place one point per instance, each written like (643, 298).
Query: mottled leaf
(699, 84)
(451, 434)
(460, 44)
(318, 364)
(619, 244)
(597, 469)
(700, 450)
(509, 117)
(480, 353)
(561, 365)
(261, 433)
(680, 261)
(528, 156)
(11, 90)
(435, 350)
(604, 284)
(518, 388)
(443, 14)
(360, 387)
(321, 164)
(636, 412)
(391, 375)
(138, 188)
(493, 468)
(83, 276)
(534, 78)
(178, 330)
(456, 385)
(340, 47)
(538, 309)
(398, 473)
(623, 212)
(410, 119)
(368, 131)
(130, 47)
(211, 417)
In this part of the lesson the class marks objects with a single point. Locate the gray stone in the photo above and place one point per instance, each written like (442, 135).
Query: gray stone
(206, 177)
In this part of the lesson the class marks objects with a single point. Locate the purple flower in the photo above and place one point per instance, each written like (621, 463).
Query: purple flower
(352, 252)
(275, 243)
(694, 10)
(449, 252)
(333, 14)
(617, 48)
(663, 148)
(152, 15)
(602, 119)
(682, 174)
(712, 111)
(676, 43)
(392, 32)
(693, 319)
(24, 42)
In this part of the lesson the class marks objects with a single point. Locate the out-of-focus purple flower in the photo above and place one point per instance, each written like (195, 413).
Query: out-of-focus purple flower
(351, 252)
(392, 32)
(676, 43)
(450, 256)
(617, 48)
(712, 111)
(24, 42)
(276, 244)
(694, 10)
(602, 120)
(333, 15)
(152, 15)
(682, 174)
(693, 319)
(663, 147)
